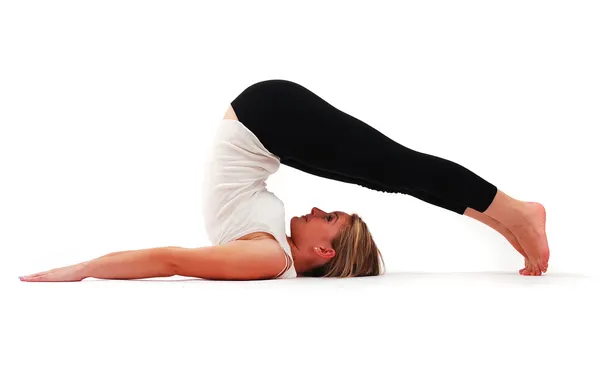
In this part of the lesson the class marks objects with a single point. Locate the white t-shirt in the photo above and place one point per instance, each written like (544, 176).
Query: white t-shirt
(235, 200)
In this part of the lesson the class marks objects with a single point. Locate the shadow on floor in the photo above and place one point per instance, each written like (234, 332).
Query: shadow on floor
(414, 276)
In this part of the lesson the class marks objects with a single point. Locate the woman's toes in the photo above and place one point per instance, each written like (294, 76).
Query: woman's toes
(533, 270)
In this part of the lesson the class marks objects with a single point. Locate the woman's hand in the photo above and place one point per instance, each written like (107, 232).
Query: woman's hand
(73, 273)
(129, 264)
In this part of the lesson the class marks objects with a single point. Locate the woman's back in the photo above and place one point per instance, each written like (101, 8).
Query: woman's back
(235, 200)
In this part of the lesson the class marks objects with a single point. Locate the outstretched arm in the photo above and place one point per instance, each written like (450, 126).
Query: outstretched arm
(237, 260)
(130, 264)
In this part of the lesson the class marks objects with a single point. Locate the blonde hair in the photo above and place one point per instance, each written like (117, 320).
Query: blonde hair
(356, 253)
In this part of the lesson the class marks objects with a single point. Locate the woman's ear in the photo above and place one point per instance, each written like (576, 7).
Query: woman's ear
(323, 252)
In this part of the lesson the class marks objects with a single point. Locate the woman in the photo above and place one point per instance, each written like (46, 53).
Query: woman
(277, 122)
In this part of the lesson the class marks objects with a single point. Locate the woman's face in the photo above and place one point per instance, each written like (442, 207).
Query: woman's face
(317, 229)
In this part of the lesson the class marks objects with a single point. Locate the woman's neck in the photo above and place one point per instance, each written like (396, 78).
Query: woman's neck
(301, 264)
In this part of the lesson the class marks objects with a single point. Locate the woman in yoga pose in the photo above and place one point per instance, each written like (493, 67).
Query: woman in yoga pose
(277, 122)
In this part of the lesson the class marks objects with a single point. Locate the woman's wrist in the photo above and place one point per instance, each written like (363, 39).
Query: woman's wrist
(83, 269)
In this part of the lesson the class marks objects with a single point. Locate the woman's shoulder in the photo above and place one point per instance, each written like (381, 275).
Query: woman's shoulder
(267, 238)
(271, 243)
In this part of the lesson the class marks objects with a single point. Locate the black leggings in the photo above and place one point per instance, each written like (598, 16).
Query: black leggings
(309, 134)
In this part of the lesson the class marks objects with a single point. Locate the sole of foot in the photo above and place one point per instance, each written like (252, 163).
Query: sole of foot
(531, 233)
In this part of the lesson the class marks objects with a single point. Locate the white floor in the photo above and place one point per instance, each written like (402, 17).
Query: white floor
(413, 326)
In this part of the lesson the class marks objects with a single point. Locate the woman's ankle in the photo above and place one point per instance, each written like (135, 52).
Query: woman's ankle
(506, 210)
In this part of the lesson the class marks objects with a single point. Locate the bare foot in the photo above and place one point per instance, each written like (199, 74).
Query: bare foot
(531, 234)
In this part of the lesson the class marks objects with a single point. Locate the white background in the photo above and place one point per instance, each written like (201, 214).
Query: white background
(105, 113)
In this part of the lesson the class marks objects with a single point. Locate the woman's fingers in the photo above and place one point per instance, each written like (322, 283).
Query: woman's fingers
(62, 274)
(35, 276)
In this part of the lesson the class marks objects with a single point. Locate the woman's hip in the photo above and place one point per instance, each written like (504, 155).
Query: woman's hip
(289, 118)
